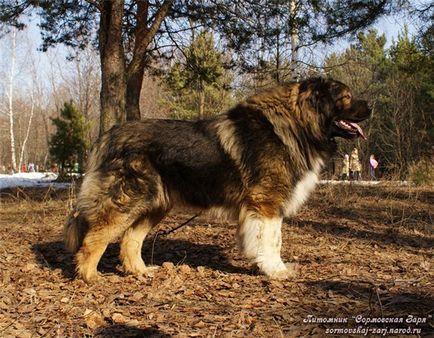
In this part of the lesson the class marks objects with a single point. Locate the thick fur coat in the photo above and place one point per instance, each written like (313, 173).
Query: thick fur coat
(256, 163)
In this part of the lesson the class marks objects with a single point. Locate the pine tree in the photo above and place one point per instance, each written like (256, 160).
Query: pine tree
(407, 102)
(198, 85)
(399, 82)
(68, 144)
(129, 32)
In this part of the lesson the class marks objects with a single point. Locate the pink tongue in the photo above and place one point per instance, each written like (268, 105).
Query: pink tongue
(359, 130)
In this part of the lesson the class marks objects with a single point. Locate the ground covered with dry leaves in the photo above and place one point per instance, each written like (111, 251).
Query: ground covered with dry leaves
(365, 255)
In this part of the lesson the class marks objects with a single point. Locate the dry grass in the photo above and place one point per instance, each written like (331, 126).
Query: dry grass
(361, 251)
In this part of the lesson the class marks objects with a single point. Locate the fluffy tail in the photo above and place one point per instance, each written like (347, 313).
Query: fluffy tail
(74, 231)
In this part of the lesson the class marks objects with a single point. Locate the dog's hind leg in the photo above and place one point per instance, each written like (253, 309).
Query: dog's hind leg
(95, 243)
(132, 241)
(260, 239)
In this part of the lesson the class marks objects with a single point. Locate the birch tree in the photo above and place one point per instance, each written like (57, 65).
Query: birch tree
(293, 9)
(10, 97)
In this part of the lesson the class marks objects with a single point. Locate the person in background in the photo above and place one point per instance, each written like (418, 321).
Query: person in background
(346, 168)
(373, 164)
(355, 165)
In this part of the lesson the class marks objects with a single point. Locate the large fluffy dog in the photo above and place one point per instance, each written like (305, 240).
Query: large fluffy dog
(258, 163)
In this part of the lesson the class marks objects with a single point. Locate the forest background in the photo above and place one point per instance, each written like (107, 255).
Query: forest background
(98, 63)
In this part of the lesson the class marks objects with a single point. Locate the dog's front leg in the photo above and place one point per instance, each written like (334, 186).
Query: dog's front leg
(260, 239)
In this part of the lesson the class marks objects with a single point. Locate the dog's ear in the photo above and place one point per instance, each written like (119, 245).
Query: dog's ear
(309, 92)
(326, 104)
(320, 98)
(314, 98)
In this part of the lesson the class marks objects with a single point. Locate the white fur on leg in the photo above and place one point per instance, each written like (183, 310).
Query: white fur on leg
(261, 240)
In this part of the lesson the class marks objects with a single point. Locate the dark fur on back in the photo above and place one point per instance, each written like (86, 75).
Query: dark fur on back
(250, 159)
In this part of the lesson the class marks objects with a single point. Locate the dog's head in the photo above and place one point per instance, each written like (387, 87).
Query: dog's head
(340, 112)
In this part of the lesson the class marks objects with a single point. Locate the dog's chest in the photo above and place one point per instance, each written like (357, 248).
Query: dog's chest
(303, 188)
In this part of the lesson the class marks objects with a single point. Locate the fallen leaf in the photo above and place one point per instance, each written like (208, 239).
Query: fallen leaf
(93, 319)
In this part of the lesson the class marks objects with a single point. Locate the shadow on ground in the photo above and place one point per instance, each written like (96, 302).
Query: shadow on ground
(54, 255)
(383, 303)
(126, 331)
(389, 238)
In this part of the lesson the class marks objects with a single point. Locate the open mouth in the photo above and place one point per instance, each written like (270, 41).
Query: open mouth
(351, 128)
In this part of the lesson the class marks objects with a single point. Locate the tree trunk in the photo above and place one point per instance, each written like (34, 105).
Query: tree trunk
(26, 138)
(277, 75)
(121, 85)
(294, 40)
(47, 138)
(135, 71)
(10, 101)
(201, 103)
(113, 75)
(134, 88)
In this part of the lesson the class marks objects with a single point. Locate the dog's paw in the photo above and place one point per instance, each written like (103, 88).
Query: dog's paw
(284, 271)
(292, 270)
(150, 270)
(89, 277)
(140, 269)
(136, 267)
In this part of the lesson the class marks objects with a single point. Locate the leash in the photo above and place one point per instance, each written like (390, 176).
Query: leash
(169, 231)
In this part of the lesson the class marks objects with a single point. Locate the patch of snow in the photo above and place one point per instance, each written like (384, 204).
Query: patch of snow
(366, 183)
(349, 182)
(35, 179)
